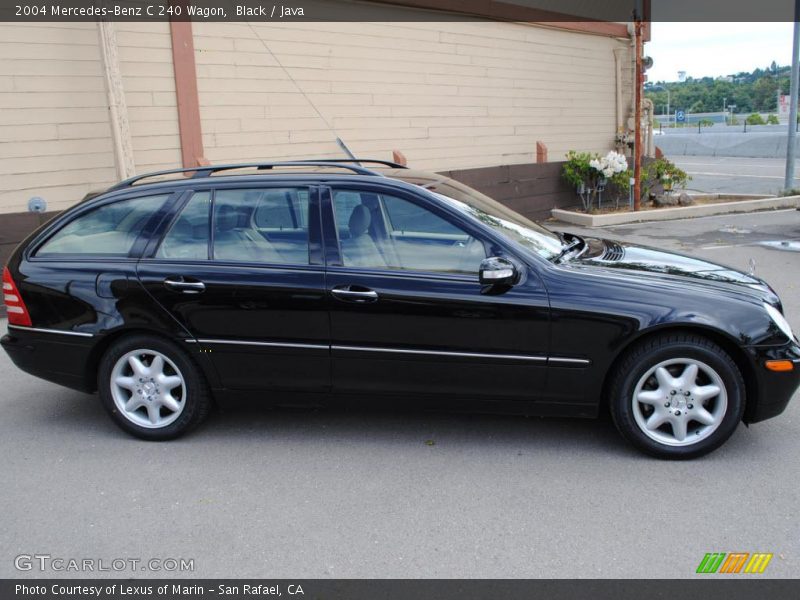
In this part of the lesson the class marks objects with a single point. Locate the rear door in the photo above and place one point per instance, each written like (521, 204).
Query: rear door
(240, 268)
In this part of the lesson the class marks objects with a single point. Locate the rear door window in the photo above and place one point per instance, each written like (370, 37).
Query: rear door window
(265, 225)
(188, 235)
(108, 230)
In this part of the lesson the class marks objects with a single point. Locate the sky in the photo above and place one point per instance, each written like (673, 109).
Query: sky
(713, 49)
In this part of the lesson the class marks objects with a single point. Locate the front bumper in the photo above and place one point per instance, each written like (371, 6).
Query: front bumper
(62, 359)
(773, 390)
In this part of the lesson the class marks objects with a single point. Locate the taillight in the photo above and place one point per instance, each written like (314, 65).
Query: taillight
(17, 311)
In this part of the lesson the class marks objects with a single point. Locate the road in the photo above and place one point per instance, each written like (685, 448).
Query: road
(260, 493)
(739, 175)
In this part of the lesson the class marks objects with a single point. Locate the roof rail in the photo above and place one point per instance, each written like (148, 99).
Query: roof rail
(372, 161)
(205, 171)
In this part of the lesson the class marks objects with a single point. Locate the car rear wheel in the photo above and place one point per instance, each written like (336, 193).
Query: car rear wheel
(678, 396)
(151, 388)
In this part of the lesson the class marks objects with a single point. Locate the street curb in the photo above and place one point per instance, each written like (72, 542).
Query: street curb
(680, 212)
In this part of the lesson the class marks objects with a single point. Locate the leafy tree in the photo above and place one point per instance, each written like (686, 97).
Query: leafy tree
(750, 92)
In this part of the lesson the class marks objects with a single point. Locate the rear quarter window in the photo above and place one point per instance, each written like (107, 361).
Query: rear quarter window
(108, 230)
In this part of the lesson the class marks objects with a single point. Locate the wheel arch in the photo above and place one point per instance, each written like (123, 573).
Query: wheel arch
(724, 341)
(97, 352)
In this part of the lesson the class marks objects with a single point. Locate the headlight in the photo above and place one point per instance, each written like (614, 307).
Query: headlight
(779, 320)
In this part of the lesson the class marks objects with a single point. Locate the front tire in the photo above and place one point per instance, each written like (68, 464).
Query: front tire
(677, 396)
(151, 388)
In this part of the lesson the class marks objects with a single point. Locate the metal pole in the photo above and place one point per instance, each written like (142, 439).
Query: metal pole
(788, 181)
(637, 125)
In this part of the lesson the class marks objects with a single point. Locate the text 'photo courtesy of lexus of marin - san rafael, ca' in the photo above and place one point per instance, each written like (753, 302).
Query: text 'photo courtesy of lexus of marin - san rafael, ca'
(312, 282)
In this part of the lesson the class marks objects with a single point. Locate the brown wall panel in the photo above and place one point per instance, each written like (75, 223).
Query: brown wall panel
(531, 189)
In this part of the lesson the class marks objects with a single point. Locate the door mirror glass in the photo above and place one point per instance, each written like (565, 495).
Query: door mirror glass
(497, 270)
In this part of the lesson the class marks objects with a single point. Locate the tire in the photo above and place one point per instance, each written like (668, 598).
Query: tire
(151, 388)
(663, 400)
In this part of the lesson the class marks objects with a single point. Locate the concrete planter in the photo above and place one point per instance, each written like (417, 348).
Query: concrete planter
(747, 204)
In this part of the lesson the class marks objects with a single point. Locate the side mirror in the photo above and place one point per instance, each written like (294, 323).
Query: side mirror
(497, 270)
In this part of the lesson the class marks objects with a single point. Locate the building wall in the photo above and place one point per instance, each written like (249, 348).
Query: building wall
(55, 138)
(450, 95)
(145, 63)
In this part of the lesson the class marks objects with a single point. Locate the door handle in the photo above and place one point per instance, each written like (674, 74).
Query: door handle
(346, 293)
(179, 284)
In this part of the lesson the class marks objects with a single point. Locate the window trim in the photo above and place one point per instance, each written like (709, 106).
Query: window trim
(149, 230)
(335, 262)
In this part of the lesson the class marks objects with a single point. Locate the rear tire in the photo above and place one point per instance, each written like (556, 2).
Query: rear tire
(151, 388)
(677, 396)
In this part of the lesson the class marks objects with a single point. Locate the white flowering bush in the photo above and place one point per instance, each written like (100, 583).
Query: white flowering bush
(609, 165)
(590, 173)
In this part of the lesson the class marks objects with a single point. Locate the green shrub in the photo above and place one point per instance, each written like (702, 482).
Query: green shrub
(576, 169)
(755, 119)
(665, 172)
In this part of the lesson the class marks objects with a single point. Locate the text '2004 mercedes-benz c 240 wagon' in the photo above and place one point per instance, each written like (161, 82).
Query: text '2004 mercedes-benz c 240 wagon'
(320, 279)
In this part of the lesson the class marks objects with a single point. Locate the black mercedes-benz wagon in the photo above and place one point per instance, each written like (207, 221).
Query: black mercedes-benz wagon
(321, 281)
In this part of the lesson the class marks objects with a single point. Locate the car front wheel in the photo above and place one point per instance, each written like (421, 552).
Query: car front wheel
(151, 388)
(677, 396)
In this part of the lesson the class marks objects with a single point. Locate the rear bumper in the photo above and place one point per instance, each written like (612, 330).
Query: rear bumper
(774, 389)
(51, 355)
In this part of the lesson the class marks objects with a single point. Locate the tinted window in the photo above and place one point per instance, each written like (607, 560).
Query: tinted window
(187, 237)
(261, 225)
(109, 230)
(387, 232)
(408, 217)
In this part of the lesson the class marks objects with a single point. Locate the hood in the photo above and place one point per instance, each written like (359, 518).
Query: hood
(664, 265)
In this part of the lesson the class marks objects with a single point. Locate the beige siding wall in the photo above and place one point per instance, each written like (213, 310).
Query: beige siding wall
(55, 139)
(449, 95)
(145, 62)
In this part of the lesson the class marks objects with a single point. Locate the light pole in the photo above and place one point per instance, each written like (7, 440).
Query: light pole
(788, 181)
(637, 116)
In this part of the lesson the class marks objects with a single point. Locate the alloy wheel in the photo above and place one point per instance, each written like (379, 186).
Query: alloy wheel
(148, 388)
(679, 402)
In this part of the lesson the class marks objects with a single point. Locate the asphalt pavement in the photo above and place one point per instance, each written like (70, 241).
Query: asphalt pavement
(732, 174)
(318, 494)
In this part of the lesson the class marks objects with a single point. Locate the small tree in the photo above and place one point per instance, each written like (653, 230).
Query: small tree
(755, 119)
(772, 120)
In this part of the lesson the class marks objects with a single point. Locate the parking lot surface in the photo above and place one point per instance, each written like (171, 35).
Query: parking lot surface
(735, 174)
(300, 493)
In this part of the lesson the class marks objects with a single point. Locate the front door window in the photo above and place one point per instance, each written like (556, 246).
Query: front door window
(387, 232)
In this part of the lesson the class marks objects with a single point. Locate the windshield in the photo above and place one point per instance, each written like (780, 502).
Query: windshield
(502, 219)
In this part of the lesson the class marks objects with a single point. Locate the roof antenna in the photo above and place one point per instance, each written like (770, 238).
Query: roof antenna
(339, 141)
(344, 147)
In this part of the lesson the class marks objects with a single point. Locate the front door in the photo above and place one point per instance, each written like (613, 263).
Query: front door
(407, 312)
(240, 268)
